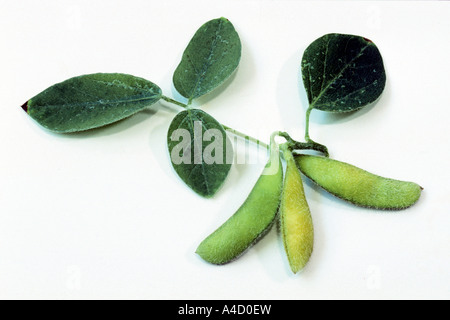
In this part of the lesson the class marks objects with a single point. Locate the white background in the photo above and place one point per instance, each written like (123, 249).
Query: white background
(102, 214)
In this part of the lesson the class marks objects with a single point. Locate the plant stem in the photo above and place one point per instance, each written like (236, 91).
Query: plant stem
(308, 113)
(245, 136)
(285, 151)
(174, 101)
(309, 145)
(229, 129)
(293, 145)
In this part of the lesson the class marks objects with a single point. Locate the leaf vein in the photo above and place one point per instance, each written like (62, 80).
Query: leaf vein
(330, 83)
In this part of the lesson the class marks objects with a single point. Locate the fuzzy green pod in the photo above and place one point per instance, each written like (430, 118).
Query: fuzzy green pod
(251, 221)
(296, 223)
(358, 186)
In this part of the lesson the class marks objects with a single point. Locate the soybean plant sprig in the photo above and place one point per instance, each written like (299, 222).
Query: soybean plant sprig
(340, 73)
(94, 100)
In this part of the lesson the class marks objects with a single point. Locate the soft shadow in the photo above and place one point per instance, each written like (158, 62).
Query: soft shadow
(177, 96)
(291, 98)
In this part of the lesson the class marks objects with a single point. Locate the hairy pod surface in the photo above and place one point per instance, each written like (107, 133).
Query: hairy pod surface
(295, 218)
(251, 221)
(358, 186)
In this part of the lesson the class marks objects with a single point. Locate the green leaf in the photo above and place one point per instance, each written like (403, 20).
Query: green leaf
(200, 151)
(91, 101)
(209, 59)
(342, 73)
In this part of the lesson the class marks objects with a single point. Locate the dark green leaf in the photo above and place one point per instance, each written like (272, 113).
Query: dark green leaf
(342, 73)
(91, 101)
(209, 59)
(200, 151)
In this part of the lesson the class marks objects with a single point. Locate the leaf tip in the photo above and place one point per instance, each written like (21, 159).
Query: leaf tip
(25, 107)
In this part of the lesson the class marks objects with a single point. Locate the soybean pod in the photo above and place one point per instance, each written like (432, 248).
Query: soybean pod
(358, 186)
(296, 223)
(252, 220)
